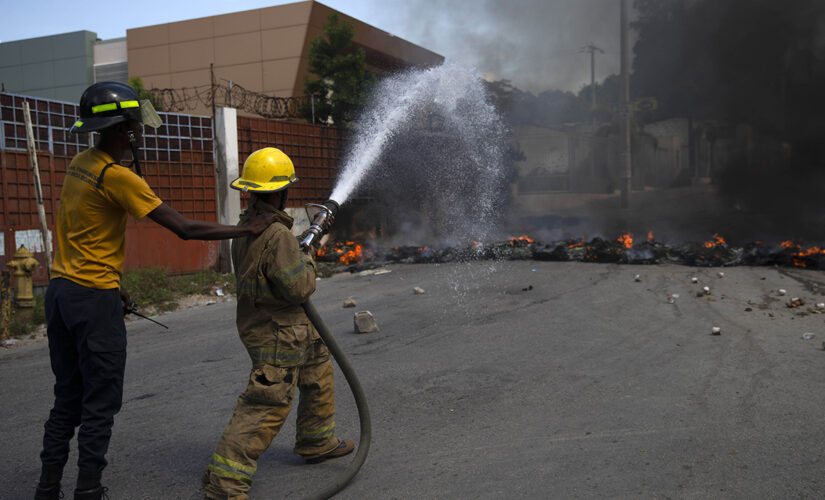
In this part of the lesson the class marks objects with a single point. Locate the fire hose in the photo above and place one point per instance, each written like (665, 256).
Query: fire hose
(320, 224)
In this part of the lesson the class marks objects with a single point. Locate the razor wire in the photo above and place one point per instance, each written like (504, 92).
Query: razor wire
(228, 95)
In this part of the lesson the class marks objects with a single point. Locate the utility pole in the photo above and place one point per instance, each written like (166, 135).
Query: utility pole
(592, 49)
(627, 179)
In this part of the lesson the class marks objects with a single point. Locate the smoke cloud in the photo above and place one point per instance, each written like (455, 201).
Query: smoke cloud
(536, 44)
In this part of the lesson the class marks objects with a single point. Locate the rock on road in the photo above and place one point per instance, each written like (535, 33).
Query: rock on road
(515, 379)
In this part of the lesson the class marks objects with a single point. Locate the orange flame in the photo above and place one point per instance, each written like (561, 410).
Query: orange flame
(717, 240)
(626, 239)
(801, 254)
(346, 252)
(575, 244)
(354, 255)
(650, 236)
(515, 240)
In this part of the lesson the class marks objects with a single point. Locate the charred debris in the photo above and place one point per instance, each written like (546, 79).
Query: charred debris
(623, 250)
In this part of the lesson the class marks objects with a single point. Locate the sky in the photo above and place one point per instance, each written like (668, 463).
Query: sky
(536, 44)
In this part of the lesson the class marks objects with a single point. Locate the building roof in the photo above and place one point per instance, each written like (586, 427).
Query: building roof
(263, 50)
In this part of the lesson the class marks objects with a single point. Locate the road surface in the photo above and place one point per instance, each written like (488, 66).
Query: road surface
(504, 380)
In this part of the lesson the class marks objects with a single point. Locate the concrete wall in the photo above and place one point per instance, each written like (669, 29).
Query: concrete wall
(54, 67)
(110, 61)
(263, 50)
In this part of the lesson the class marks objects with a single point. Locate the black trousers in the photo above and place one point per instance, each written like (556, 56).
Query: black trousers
(87, 347)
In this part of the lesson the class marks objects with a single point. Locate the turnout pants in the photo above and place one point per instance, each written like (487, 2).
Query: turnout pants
(87, 348)
(264, 406)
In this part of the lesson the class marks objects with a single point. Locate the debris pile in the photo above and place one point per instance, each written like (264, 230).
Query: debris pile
(715, 252)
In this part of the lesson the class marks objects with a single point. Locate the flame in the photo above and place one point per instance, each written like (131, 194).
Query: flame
(717, 240)
(626, 239)
(516, 240)
(809, 252)
(789, 244)
(799, 256)
(354, 255)
(650, 236)
(346, 252)
(575, 244)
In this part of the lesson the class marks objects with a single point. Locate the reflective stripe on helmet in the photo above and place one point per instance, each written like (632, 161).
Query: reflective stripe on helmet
(100, 108)
(281, 178)
(78, 123)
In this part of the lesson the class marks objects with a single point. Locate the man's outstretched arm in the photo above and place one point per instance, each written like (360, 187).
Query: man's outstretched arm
(191, 229)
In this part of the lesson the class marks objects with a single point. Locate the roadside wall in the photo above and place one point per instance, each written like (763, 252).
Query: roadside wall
(177, 162)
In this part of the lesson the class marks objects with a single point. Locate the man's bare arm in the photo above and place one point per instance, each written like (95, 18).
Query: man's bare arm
(190, 229)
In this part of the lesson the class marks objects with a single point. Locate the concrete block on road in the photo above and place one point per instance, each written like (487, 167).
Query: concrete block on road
(365, 322)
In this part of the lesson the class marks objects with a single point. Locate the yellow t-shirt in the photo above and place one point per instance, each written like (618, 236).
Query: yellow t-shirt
(91, 221)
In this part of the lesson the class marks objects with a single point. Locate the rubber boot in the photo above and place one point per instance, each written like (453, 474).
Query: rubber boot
(98, 493)
(88, 487)
(48, 488)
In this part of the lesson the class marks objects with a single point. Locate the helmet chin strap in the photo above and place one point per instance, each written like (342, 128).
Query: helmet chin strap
(133, 144)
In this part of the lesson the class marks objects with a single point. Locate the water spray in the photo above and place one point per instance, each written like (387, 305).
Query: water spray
(467, 179)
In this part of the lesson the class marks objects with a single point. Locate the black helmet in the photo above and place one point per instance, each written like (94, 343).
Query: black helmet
(105, 104)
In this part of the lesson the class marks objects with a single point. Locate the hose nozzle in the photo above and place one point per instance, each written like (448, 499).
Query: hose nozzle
(321, 223)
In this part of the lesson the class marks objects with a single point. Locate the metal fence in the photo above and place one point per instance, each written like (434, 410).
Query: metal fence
(177, 162)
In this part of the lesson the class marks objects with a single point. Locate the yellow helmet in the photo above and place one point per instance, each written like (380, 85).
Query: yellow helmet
(265, 171)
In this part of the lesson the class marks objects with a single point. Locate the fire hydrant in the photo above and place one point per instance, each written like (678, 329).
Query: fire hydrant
(23, 263)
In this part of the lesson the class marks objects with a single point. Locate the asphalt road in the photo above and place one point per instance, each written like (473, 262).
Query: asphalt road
(587, 385)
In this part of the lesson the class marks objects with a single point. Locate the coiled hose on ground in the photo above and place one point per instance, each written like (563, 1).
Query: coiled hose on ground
(360, 403)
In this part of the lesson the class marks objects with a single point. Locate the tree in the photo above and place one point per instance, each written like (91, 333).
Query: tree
(136, 83)
(551, 107)
(343, 79)
(759, 62)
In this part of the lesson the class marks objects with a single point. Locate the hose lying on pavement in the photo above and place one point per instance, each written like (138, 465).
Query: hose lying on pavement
(360, 403)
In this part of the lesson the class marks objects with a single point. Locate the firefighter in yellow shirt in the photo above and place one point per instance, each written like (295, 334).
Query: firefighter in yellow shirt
(84, 302)
(274, 277)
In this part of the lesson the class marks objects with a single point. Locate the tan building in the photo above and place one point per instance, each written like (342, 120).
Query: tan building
(263, 50)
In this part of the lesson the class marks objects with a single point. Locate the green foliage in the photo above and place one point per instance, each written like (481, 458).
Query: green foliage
(152, 288)
(20, 327)
(552, 107)
(342, 78)
(39, 310)
(760, 62)
(136, 83)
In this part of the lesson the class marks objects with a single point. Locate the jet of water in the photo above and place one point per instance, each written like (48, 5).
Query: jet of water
(464, 175)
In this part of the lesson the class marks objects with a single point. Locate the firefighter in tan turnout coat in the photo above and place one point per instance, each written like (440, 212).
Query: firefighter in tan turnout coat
(274, 277)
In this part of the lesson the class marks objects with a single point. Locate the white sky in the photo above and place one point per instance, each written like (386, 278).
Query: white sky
(534, 43)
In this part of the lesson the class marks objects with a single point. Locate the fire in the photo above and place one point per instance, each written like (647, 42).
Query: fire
(789, 244)
(799, 256)
(809, 252)
(650, 236)
(575, 244)
(520, 239)
(717, 240)
(626, 239)
(346, 252)
(354, 255)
